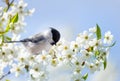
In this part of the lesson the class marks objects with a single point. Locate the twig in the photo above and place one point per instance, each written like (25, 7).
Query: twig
(5, 75)
(8, 4)
(11, 2)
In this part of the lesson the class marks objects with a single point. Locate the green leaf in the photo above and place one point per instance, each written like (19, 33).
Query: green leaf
(15, 18)
(11, 4)
(98, 32)
(12, 20)
(112, 44)
(5, 9)
(7, 28)
(8, 38)
(2, 37)
(7, 80)
(105, 63)
(97, 53)
(85, 76)
(1, 40)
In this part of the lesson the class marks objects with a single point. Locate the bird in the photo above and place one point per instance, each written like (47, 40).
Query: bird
(40, 41)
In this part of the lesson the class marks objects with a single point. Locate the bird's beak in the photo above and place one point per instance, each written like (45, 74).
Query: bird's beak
(53, 43)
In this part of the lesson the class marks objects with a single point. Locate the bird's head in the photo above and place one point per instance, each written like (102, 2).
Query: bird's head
(55, 35)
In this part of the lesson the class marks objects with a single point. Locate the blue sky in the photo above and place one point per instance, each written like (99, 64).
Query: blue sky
(75, 16)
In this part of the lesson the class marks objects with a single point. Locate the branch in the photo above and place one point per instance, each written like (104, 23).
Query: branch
(5, 75)
(8, 4)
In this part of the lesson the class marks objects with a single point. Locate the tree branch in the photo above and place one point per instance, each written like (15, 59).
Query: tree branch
(5, 75)
(8, 4)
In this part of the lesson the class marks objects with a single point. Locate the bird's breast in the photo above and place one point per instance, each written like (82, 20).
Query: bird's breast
(37, 48)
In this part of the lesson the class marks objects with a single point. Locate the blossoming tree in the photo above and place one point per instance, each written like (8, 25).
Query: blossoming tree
(87, 53)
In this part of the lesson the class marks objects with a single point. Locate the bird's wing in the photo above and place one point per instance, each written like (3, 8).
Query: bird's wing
(38, 39)
(34, 39)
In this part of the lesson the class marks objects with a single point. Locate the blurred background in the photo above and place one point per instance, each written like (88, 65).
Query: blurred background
(71, 17)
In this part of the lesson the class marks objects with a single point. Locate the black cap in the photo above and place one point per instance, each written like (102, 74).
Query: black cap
(55, 35)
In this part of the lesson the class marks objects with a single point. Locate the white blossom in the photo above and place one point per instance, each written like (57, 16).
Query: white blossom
(63, 45)
(17, 69)
(4, 53)
(91, 67)
(75, 46)
(108, 38)
(98, 65)
(19, 8)
(1, 9)
(86, 55)
(42, 58)
(68, 55)
(54, 62)
(77, 77)
(83, 38)
(38, 72)
(93, 29)
(30, 12)
(4, 19)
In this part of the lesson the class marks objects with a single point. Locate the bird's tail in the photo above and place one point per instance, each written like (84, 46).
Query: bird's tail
(20, 41)
(12, 41)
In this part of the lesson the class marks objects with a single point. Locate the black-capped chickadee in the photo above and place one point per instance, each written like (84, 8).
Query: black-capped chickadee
(40, 41)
